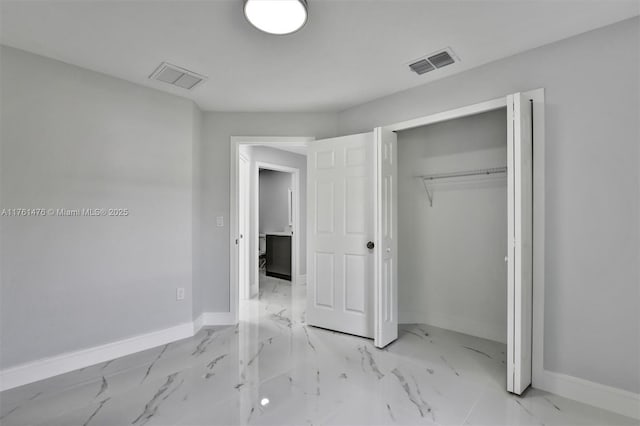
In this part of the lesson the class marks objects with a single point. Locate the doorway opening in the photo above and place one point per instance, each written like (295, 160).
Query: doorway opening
(275, 222)
(525, 242)
(452, 235)
(268, 214)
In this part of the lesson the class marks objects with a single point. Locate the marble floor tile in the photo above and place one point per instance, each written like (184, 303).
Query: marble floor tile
(273, 369)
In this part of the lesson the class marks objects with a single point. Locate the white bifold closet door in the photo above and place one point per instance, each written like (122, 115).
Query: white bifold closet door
(520, 244)
(351, 276)
(386, 284)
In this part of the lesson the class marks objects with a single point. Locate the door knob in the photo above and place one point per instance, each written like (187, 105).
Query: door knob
(370, 245)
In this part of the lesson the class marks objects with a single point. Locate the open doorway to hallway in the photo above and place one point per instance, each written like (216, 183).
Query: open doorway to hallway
(270, 228)
(275, 223)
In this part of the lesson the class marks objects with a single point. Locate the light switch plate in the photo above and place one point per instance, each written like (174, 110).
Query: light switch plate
(180, 293)
(219, 221)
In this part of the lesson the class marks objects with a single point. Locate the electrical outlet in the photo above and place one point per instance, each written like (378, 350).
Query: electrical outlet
(219, 221)
(180, 293)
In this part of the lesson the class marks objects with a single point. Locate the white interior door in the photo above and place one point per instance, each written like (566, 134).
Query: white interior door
(341, 188)
(243, 227)
(520, 234)
(386, 255)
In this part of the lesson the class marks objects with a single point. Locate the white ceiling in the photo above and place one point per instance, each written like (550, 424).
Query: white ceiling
(350, 51)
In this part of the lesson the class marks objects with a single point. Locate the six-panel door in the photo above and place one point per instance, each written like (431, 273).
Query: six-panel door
(340, 224)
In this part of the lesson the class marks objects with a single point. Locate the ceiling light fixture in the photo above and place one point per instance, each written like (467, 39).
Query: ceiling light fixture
(277, 17)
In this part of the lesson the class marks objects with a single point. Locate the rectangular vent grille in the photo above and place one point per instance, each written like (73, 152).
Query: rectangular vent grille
(177, 76)
(441, 59)
(421, 67)
(433, 61)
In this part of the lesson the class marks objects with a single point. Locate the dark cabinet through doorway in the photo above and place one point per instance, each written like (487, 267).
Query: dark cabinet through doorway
(278, 256)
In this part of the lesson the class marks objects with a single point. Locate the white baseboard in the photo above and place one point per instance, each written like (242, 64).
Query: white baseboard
(301, 279)
(52, 366)
(63, 363)
(198, 323)
(218, 318)
(601, 396)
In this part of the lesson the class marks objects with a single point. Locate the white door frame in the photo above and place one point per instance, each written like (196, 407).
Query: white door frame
(235, 142)
(245, 284)
(538, 206)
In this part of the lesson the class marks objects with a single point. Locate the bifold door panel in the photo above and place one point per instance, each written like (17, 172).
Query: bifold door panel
(386, 283)
(520, 244)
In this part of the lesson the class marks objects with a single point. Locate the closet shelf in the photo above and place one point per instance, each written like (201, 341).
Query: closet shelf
(466, 173)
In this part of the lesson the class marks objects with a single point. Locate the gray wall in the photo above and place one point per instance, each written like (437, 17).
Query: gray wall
(592, 250)
(274, 201)
(451, 268)
(217, 130)
(196, 209)
(73, 138)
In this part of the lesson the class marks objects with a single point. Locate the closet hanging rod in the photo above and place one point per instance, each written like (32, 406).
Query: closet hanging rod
(464, 173)
(432, 177)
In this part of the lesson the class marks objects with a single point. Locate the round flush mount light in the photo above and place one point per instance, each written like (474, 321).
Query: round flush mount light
(277, 17)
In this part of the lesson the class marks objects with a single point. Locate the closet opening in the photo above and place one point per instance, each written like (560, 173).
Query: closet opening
(453, 238)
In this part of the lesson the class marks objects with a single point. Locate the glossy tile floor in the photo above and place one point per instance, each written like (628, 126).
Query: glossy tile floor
(272, 369)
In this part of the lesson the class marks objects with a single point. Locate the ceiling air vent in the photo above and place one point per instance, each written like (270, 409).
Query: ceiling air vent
(433, 61)
(441, 59)
(177, 76)
(422, 66)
